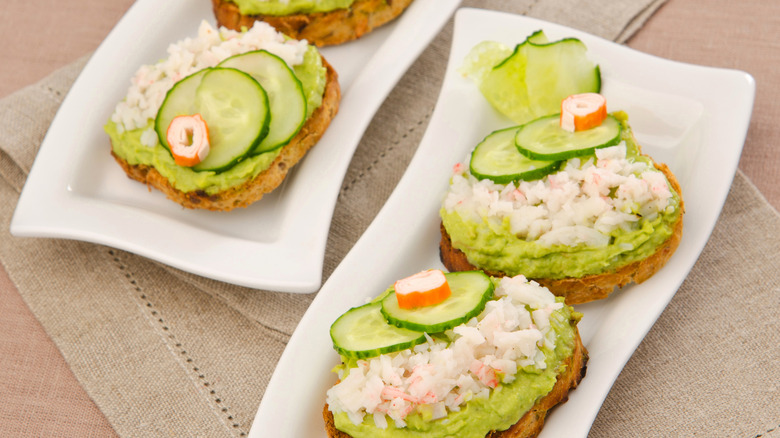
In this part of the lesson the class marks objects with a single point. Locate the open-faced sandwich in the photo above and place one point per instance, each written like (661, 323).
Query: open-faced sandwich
(222, 120)
(453, 354)
(580, 212)
(566, 197)
(321, 22)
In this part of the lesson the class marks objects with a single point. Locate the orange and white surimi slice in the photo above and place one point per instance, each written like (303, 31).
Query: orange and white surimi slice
(580, 112)
(425, 288)
(188, 137)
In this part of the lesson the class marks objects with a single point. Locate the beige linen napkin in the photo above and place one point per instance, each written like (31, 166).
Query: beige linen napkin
(163, 352)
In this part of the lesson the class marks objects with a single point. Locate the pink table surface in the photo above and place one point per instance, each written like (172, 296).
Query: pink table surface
(41, 396)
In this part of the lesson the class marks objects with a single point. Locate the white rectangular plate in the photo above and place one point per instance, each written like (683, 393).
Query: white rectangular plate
(693, 118)
(75, 190)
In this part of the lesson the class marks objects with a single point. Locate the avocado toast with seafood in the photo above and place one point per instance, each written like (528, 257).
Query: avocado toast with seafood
(565, 197)
(600, 222)
(488, 357)
(222, 120)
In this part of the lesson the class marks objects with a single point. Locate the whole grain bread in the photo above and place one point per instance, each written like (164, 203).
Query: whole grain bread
(578, 290)
(319, 28)
(530, 424)
(251, 190)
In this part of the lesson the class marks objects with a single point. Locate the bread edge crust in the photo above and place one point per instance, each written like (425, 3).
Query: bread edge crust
(531, 423)
(318, 28)
(252, 190)
(579, 290)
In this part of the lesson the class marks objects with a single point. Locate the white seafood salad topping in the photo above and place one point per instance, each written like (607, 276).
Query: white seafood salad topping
(440, 375)
(151, 82)
(582, 203)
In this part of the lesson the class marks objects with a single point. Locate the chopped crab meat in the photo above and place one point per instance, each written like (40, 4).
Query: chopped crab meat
(391, 393)
(484, 373)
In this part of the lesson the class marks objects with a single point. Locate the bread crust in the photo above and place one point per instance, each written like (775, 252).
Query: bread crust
(319, 28)
(252, 190)
(578, 290)
(530, 424)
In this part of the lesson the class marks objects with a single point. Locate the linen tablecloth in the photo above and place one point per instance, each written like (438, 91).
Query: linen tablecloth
(162, 352)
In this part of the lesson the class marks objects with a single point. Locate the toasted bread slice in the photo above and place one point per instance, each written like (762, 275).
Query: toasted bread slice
(252, 190)
(590, 287)
(319, 28)
(530, 424)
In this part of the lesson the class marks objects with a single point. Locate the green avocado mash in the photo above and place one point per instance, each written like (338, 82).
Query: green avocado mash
(277, 7)
(506, 404)
(495, 247)
(127, 145)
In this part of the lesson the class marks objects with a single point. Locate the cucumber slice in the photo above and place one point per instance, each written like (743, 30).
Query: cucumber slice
(363, 332)
(538, 37)
(557, 70)
(544, 139)
(470, 291)
(235, 107)
(504, 86)
(537, 76)
(481, 59)
(179, 101)
(496, 158)
(285, 94)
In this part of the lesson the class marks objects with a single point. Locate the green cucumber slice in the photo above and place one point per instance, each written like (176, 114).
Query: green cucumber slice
(496, 158)
(470, 291)
(178, 101)
(538, 37)
(557, 70)
(481, 58)
(363, 332)
(533, 80)
(285, 94)
(544, 139)
(504, 86)
(235, 107)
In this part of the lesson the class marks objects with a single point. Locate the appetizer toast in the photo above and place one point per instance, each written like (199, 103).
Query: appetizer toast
(222, 120)
(565, 196)
(266, 181)
(488, 357)
(323, 28)
(600, 222)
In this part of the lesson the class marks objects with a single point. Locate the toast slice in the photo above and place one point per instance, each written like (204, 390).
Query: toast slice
(319, 28)
(578, 290)
(530, 424)
(252, 190)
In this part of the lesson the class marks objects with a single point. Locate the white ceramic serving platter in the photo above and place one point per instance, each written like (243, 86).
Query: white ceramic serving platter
(75, 190)
(693, 118)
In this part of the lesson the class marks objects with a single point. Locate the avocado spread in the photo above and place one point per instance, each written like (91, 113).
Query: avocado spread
(128, 146)
(279, 7)
(504, 407)
(494, 247)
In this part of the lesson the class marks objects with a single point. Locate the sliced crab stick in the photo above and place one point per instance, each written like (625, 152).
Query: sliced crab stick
(188, 137)
(425, 288)
(583, 111)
